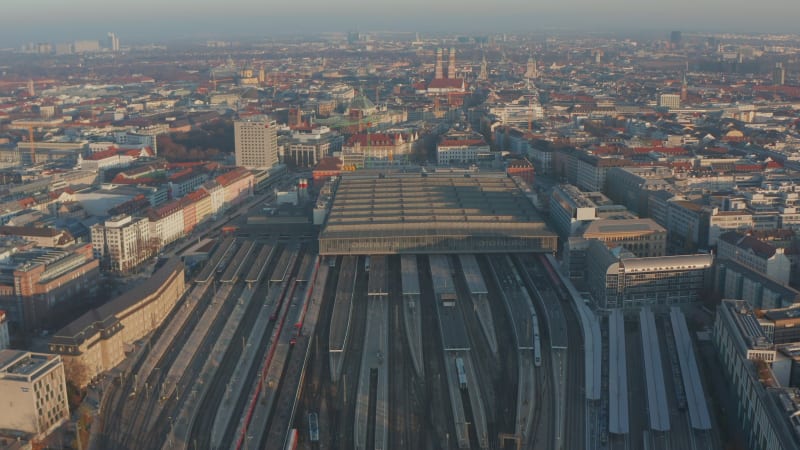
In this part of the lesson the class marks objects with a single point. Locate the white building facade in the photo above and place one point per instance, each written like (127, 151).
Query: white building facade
(33, 392)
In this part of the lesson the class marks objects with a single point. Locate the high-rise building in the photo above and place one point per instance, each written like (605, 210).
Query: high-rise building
(671, 101)
(113, 42)
(34, 392)
(675, 38)
(779, 74)
(256, 142)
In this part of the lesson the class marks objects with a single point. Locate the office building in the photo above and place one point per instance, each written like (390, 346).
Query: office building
(307, 146)
(782, 326)
(34, 283)
(33, 392)
(256, 143)
(617, 278)
(642, 237)
(461, 148)
(570, 208)
(734, 280)
(675, 38)
(670, 101)
(768, 413)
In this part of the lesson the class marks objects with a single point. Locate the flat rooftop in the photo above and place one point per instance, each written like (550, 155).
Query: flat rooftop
(19, 363)
(432, 213)
(623, 227)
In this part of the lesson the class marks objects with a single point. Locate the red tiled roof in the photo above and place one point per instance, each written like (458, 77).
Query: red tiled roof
(232, 176)
(164, 210)
(747, 167)
(444, 83)
(665, 150)
(329, 163)
(377, 139)
(8, 230)
(747, 242)
(197, 195)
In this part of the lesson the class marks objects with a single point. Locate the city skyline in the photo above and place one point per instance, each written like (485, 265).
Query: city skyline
(85, 19)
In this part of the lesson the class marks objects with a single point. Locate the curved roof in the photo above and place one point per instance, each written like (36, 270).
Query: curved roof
(700, 261)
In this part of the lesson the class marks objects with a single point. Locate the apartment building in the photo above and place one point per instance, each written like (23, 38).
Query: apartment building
(755, 254)
(237, 185)
(122, 242)
(166, 223)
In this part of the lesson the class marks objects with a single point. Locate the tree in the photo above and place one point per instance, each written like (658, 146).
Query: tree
(77, 375)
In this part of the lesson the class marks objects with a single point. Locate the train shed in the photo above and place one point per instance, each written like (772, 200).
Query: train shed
(394, 213)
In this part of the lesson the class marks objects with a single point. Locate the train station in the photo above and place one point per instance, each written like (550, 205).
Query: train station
(422, 213)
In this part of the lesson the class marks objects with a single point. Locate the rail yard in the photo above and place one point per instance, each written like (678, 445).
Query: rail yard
(275, 347)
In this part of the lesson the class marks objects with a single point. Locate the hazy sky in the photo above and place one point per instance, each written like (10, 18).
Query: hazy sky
(151, 20)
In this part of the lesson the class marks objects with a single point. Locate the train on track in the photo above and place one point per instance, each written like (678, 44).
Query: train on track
(537, 343)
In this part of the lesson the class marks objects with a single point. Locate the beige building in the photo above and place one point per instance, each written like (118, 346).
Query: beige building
(33, 392)
(42, 237)
(256, 143)
(217, 195)
(96, 342)
(122, 242)
(166, 223)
